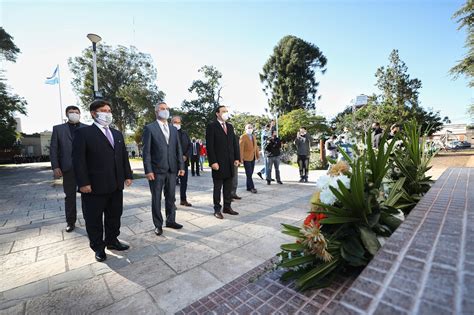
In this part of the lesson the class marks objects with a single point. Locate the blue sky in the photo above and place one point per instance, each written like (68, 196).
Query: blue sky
(237, 37)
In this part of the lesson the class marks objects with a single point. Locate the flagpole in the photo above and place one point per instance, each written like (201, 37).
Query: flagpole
(60, 97)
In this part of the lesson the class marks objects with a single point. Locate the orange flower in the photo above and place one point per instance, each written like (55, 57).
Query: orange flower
(314, 218)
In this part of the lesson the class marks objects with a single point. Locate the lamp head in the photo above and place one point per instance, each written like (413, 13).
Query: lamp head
(94, 38)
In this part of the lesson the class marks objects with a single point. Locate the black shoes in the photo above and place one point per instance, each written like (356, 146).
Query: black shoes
(269, 182)
(253, 191)
(301, 180)
(230, 211)
(218, 215)
(185, 203)
(279, 182)
(118, 246)
(100, 255)
(70, 227)
(236, 197)
(174, 225)
(158, 231)
(305, 179)
(260, 175)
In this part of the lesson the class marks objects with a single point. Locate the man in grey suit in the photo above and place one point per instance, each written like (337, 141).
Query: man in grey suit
(162, 160)
(61, 161)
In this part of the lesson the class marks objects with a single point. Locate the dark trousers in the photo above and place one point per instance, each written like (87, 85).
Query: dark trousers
(94, 207)
(226, 186)
(273, 161)
(195, 164)
(249, 168)
(235, 181)
(70, 189)
(163, 183)
(303, 163)
(183, 187)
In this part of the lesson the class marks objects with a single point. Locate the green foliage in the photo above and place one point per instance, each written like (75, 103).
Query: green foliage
(239, 120)
(126, 77)
(200, 111)
(290, 123)
(465, 19)
(395, 84)
(10, 103)
(413, 161)
(289, 75)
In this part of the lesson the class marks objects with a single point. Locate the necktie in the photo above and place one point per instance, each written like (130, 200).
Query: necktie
(166, 132)
(108, 134)
(225, 128)
(194, 149)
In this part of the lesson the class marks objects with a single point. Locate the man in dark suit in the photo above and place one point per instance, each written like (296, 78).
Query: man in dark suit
(162, 160)
(186, 147)
(101, 166)
(60, 153)
(223, 154)
(195, 150)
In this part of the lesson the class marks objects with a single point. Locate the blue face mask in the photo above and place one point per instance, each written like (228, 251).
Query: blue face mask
(164, 114)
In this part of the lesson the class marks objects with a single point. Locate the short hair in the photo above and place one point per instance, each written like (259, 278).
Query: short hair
(303, 127)
(395, 126)
(218, 108)
(376, 123)
(249, 124)
(159, 103)
(177, 116)
(72, 107)
(98, 104)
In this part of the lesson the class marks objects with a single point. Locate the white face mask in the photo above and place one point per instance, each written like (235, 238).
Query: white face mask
(249, 131)
(74, 117)
(177, 126)
(164, 114)
(104, 119)
(225, 116)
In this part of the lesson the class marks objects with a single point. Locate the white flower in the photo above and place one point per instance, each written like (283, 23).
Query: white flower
(346, 181)
(323, 181)
(327, 196)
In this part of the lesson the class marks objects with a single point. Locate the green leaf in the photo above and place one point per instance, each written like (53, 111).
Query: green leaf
(339, 220)
(369, 239)
(293, 262)
(292, 247)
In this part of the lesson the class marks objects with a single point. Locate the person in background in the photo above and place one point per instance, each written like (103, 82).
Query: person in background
(186, 148)
(235, 179)
(195, 151)
(394, 129)
(272, 148)
(223, 154)
(266, 133)
(377, 133)
(303, 150)
(249, 153)
(61, 161)
(202, 154)
(102, 170)
(331, 147)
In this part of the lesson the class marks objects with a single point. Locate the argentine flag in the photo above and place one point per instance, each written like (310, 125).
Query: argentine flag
(54, 79)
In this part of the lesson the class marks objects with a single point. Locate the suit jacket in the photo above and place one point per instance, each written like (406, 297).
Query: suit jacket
(198, 149)
(249, 150)
(186, 145)
(60, 151)
(97, 163)
(222, 148)
(159, 156)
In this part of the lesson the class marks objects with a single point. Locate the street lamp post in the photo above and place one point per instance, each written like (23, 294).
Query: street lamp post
(95, 39)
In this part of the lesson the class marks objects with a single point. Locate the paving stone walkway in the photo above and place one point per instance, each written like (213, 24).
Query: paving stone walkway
(48, 271)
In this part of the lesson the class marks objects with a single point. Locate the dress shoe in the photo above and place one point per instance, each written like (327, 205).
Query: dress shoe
(118, 246)
(268, 182)
(100, 255)
(70, 228)
(236, 197)
(279, 182)
(301, 180)
(305, 180)
(253, 191)
(218, 215)
(260, 175)
(272, 179)
(230, 211)
(186, 204)
(158, 231)
(174, 225)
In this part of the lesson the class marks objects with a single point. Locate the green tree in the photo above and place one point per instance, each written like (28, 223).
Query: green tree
(126, 77)
(289, 75)
(200, 111)
(10, 103)
(290, 123)
(395, 84)
(465, 19)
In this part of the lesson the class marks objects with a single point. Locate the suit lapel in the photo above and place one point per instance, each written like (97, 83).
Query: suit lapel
(102, 136)
(68, 130)
(160, 132)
